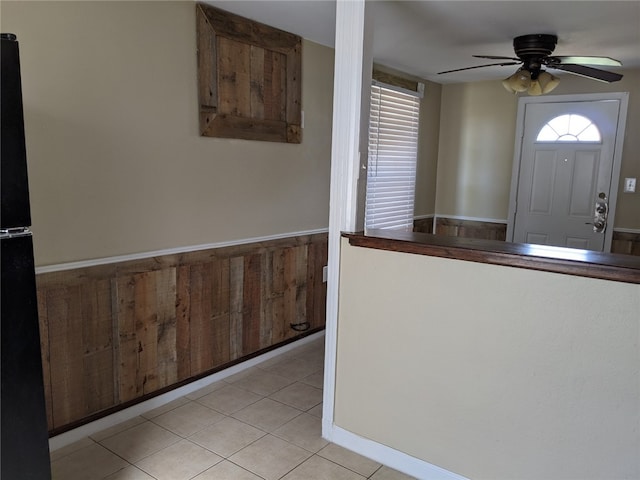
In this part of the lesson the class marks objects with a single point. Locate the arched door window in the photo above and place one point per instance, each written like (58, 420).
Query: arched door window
(569, 128)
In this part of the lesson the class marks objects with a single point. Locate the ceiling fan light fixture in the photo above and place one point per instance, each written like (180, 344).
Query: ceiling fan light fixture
(547, 82)
(505, 84)
(535, 88)
(518, 82)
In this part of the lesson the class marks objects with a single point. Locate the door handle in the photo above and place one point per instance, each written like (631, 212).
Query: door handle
(598, 225)
(601, 212)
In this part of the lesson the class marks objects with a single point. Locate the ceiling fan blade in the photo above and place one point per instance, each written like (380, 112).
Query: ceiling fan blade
(493, 57)
(602, 61)
(480, 66)
(583, 71)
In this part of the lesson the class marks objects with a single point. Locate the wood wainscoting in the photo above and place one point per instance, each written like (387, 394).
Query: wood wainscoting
(116, 334)
(455, 227)
(423, 225)
(627, 243)
(624, 242)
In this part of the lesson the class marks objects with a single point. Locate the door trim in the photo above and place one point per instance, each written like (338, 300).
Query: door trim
(623, 97)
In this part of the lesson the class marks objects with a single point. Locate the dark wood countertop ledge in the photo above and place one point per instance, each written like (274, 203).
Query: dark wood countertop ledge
(568, 261)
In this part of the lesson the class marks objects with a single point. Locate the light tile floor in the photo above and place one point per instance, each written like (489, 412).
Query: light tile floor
(262, 423)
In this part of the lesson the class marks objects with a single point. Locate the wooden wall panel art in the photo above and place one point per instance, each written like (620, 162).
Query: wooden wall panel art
(249, 78)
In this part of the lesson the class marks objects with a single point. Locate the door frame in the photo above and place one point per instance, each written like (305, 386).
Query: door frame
(623, 97)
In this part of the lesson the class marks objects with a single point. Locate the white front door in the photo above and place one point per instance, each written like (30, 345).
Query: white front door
(565, 177)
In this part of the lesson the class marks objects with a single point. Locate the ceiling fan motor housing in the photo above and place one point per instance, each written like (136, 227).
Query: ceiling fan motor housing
(539, 45)
(533, 50)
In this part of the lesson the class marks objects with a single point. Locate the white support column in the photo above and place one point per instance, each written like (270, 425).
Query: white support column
(345, 166)
(365, 106)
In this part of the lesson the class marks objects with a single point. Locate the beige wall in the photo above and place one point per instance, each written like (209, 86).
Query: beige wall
(427, 163)
(477, 131)
(116, 162)
(533, 376)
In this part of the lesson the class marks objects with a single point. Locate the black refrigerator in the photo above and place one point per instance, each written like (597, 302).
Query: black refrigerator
(24, 443)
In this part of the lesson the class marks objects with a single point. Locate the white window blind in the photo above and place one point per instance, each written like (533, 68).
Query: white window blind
(393, 149)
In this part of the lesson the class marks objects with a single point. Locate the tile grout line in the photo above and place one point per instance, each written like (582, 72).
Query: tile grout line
(309, 355)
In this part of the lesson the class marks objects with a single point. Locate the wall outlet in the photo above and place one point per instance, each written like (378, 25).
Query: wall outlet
(629, 185)
(324, 274)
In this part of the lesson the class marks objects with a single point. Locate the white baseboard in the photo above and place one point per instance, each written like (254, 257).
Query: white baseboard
(388, 456)
(635, 231)
(171, 251)
(83, 431)
(472, 219)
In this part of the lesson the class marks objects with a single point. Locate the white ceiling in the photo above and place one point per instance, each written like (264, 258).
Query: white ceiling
(423, 37)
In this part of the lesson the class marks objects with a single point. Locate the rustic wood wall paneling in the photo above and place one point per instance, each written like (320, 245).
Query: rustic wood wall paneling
(249, 78)
(257, 82)
(66, 352)
(294, 94)
(147, 358)
(184, 321)
(316, 287)
(113, 334)
(207, 81)
(200, 324)
(236, 302)
(277, 287)
(298, 288)
(76, 331)
(164, 367)
(234, 77)
(269, 99)
(423, 225)
(266, 317)
(290, 292)
(45, 352)
(97, 330)
(251, 303)
(627, 243)
(220, 311)
(470, 229)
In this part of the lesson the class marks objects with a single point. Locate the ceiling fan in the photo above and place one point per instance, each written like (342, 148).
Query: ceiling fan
(534, 52)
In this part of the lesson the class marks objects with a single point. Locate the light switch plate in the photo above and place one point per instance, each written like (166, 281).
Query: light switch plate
(629, 185)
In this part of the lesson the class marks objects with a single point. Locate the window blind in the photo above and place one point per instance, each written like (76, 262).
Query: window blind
(393, 150)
